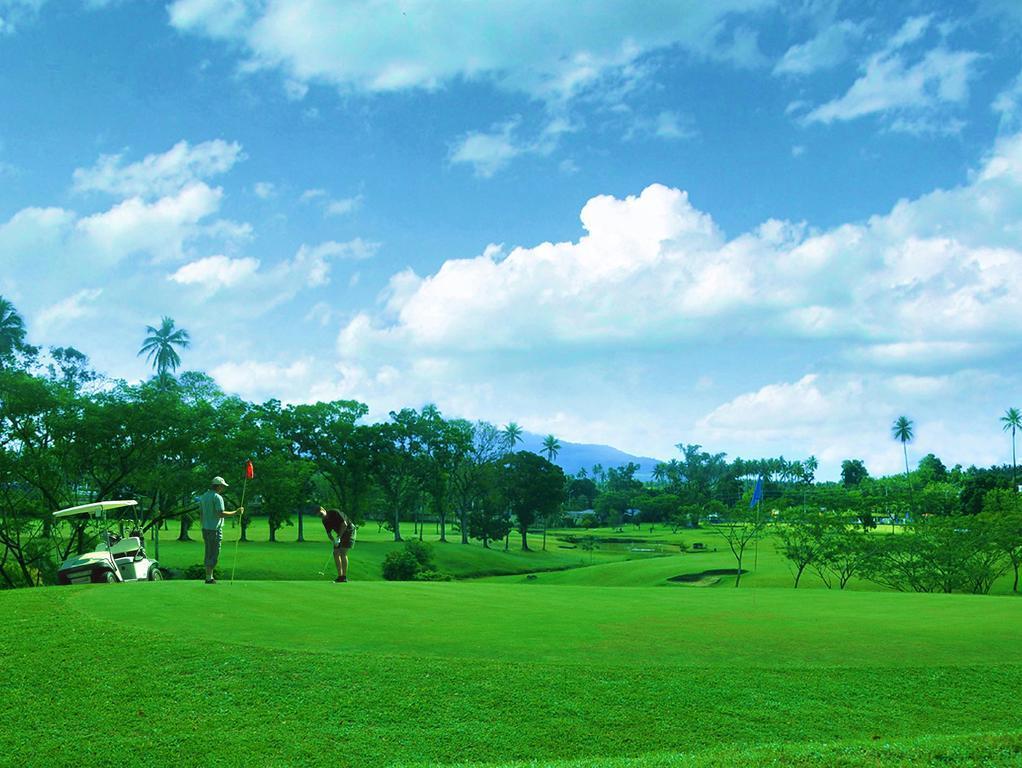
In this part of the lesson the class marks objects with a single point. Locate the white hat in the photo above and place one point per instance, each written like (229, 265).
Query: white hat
(219, 481)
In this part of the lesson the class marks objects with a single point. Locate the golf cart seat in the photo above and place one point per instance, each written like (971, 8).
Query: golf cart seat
(126, 547)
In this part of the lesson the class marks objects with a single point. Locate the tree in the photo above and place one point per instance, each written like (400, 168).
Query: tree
(853, 472)
(1012, 419)
(534, 488)
(489, 518)
(159, 346)
(512, 435)
(551, 447)
(12, 332)
(742, 526)
(393, 450)
(443, 446)
(801, 536)
(1002, 511)
(901, 430)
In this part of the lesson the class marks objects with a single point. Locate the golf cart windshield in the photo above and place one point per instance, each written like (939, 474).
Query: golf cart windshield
(95, 509)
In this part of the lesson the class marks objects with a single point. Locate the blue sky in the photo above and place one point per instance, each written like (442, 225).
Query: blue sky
(766, 227)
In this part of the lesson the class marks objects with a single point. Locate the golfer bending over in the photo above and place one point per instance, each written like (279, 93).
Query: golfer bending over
(342, 533)
(213, 513)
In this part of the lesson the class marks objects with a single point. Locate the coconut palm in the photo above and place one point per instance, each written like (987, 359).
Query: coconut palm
(512, 434)
(660, 473)
(902, 430)
(551, 447)
(158, 346)
(12, 329)
(1012, 419)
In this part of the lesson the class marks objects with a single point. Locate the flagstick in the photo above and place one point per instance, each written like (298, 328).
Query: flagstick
(244, 484)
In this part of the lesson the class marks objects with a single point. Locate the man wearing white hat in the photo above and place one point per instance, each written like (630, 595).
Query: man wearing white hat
(213, 513)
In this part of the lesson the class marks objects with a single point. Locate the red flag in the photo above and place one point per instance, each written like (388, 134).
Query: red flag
(249, 473)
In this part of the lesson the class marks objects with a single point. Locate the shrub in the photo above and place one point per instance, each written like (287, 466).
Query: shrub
(421, 551)
(414, 562)
(400, 565)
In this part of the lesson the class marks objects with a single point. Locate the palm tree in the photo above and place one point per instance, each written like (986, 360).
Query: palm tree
(660, 473)
(1012, 420)
(551, 447)
(901, 430)
(12, 329)
(158, 346)
(512, 435)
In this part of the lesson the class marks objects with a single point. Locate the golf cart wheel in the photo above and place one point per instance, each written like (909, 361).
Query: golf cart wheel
(155, 574)
(104, 577)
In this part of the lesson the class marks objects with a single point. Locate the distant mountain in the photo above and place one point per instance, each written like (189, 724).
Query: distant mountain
(574, 456)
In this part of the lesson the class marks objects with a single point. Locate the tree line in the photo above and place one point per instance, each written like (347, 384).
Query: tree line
(68, 436)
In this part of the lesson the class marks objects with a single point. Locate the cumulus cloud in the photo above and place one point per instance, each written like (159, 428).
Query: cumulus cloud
(158, 175)
(363, 47)
(160, 228)
(916, 90)
(906, 307)
(653, 267)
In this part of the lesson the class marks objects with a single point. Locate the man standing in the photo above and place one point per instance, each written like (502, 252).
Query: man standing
(213, 513)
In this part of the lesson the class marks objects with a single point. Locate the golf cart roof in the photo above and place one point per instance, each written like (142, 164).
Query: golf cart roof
(94, 508)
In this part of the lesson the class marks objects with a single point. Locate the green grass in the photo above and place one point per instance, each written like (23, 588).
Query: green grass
(289, 559)
(372, 674)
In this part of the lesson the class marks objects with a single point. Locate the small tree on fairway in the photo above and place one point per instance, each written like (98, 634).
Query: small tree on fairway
(741, 526)
(801, 536)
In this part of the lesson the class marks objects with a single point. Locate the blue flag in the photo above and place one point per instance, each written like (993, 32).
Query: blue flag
(757, 495)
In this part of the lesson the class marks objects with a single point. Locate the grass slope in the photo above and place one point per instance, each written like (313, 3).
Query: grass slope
(377, 674)
(293, 560)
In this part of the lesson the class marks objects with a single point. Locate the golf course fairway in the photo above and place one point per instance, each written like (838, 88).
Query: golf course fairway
(377, 673)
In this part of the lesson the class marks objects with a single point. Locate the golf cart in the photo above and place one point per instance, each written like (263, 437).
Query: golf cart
(120, 559)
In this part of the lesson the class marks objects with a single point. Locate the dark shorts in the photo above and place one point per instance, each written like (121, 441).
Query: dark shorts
(344, 543)
(212, 541)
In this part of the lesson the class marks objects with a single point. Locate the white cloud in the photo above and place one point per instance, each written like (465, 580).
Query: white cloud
(160, 228)
(312, 194)
(918, 93)
(215, 272)
(362, 46)
(903, 304)
(74, 307)
(158, 175)
(343, 206)
(264, 190)
(217, 18)
(827, 49)
(844, 416)
(490, 152)
(15, 12)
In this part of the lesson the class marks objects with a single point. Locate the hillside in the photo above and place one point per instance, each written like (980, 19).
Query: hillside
(574, 456)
